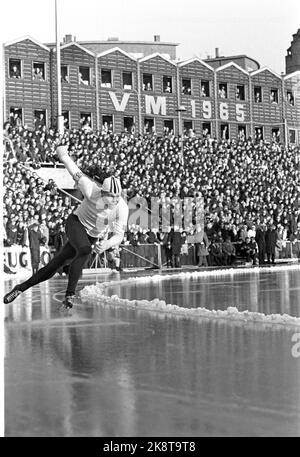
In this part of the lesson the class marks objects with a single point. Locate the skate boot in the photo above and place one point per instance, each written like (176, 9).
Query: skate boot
(12, 295)
(68, 301)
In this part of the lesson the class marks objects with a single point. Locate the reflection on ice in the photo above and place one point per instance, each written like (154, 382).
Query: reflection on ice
(112, 369)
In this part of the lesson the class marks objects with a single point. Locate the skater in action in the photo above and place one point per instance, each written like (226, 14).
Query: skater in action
(102, 210)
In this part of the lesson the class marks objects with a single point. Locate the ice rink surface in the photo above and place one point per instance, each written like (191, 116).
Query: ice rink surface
(113, 371)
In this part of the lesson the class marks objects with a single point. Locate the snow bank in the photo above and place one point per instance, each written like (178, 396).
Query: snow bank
(97, 292)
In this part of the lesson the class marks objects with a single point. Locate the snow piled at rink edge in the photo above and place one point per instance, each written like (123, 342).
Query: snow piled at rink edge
(97, 292)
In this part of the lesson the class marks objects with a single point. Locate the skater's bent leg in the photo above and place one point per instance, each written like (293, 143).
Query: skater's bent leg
(76, 267)
(67, 252)
(82, 243)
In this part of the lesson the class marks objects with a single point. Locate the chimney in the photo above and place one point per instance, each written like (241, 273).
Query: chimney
(217, 53)
(68, 38)
(156, 38)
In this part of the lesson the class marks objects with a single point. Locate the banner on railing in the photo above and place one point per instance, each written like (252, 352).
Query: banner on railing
(17, 257)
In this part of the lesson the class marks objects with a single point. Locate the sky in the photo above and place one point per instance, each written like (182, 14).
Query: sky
(261, 29)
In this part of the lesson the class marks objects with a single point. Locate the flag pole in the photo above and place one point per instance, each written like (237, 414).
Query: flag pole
(60, 120)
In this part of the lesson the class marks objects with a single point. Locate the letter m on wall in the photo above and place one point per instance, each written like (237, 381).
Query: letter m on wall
(155, 107)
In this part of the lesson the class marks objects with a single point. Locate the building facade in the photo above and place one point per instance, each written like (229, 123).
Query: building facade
(113, 89)
(292, 59)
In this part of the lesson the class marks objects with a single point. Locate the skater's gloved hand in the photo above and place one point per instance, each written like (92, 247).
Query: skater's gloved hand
(101, 246)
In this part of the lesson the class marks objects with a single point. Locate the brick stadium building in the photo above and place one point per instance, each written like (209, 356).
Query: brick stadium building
(140, 85)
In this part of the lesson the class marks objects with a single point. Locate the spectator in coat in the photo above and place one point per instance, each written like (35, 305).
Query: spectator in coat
(202, 251)
(228, 251)
(295, 245)
(152, 236)
(176, 242)
(35, 241)
(44, 228)
(260, 238)
(59, 240)
(249, 250)
(132, 237)
(12, 230)
(152, 239)
(271, 240)
(295, 236)
(22, 234)
(166, 244)
(254, 250)
(215, 253)
(142, 236)
(243, 233)
(5, 241)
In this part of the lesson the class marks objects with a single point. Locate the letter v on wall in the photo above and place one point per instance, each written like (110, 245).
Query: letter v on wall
(119, 106)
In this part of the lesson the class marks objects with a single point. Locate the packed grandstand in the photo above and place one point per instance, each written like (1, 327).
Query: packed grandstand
(248, 187)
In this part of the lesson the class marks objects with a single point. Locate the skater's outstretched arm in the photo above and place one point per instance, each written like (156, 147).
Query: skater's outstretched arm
(62, 153)
(85, 184)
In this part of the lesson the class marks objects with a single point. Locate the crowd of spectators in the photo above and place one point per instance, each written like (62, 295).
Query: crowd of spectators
(29, 201)
(247, 186)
